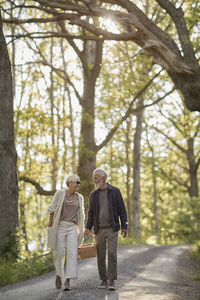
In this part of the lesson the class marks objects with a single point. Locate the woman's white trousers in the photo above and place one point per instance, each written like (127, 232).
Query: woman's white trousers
(67, 237)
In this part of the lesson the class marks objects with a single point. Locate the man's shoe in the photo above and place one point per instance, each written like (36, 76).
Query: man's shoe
(103, 285)
(58, 282)
(111, 285)
(67, 286)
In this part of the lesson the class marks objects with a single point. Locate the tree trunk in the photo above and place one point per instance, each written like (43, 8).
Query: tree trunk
(136, 228)
(155, 202)
(87, 154)
(8, 157)
(128, 173)
(23, 222)
(53, 139)
(91, 61)
(71, 124)
(193, 167)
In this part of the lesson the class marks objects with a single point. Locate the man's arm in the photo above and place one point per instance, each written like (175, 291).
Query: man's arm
(89, 222)
(122, 212)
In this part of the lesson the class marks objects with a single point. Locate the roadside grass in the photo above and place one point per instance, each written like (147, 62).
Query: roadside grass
(25, 269)
(195, 254)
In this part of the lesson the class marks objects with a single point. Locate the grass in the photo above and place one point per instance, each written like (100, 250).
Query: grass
(24, 269)
(195, 254)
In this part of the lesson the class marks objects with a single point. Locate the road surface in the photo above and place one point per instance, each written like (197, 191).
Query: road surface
(145, 272)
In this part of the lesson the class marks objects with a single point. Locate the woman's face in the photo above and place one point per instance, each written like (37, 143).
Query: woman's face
(74, 185)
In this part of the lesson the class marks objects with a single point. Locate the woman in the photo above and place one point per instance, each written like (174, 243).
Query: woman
(66, 223)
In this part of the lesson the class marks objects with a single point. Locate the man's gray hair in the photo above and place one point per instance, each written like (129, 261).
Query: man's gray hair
(101, 172)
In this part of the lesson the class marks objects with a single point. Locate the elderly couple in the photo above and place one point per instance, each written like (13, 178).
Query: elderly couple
(66, 210)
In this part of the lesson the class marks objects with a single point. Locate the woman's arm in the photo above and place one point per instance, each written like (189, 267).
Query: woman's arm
(52, 207)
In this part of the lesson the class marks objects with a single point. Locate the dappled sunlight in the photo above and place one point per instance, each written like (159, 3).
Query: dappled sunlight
(109, 25)
(111, 296)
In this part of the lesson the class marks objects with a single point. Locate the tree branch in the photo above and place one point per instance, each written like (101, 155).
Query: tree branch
(171, 140)
(141, 30)
(197, 164)
(65, 77)
(177, 16)
(50, 34)
(126, 115)
(38, 187)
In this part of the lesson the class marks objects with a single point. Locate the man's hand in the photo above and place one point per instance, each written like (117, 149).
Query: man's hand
(124, 233)
(86, 231)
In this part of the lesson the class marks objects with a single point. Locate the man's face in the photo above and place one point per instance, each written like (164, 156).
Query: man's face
(98, 180)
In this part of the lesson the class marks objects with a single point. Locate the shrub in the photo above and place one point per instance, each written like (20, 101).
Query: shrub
(25, 269)
(9, 248)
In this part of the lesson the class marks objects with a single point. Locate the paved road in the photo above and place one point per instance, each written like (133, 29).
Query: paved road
(145, 272)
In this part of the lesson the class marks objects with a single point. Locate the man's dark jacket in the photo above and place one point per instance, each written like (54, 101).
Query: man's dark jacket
(116, 209)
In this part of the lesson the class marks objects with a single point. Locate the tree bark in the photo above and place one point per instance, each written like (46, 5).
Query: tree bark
(23, 223)
(193, 169)
(155, 200)
(54, 158)
(135, 226)
(8, 157)
(128, 166)
(91, 61)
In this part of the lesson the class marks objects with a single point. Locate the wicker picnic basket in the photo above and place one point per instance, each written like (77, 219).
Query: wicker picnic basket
(87, 251)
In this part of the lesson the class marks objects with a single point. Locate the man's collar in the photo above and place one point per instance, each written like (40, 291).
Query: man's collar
(109, 187)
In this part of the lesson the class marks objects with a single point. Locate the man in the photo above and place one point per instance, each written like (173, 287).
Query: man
(105, 207)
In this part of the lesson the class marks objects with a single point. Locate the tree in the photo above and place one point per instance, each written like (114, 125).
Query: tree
(136, 227)
(187, 128)
(176, 56)
(8, 157)
(155, 197)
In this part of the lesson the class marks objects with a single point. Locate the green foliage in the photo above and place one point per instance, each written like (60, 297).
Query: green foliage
(195, 254)
(7, 274)
(24, 269)
(188, 220)
(10, 247)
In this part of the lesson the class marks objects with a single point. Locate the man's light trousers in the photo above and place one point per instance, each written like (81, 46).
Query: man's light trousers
(66, 238)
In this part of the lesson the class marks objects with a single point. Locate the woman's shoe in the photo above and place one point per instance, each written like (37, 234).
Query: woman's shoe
(67, 286)
(58, 282)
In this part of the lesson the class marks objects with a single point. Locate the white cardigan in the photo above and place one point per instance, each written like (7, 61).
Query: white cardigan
(56, 207)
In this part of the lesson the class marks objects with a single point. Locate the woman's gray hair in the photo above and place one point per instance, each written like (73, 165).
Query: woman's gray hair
(72, 178)
(101, 172)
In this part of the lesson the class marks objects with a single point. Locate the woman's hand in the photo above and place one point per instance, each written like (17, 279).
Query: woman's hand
(51, 220)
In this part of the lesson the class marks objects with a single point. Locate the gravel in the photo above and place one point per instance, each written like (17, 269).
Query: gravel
(145, 272)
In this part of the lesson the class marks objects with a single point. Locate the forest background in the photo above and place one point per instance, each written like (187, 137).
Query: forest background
(89, 92)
